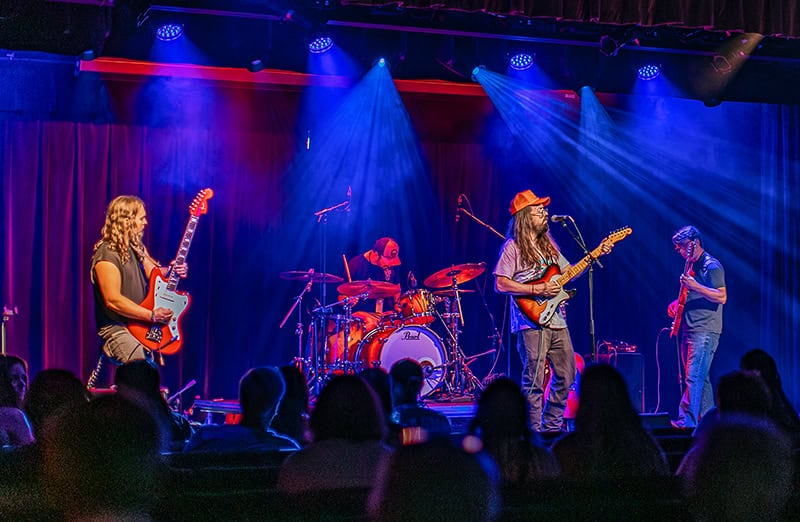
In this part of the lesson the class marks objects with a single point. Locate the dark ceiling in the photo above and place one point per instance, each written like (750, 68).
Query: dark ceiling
(419, 43)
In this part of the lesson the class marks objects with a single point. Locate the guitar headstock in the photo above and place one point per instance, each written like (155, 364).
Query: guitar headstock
(199, 205)
(619, 234)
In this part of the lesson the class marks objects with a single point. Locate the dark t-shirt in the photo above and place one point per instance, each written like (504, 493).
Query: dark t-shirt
(133, 284)
(700, 314)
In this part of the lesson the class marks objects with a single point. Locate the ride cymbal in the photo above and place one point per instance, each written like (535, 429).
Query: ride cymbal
(450, 292)
(462, 273)
(305, 275)
(373, 289)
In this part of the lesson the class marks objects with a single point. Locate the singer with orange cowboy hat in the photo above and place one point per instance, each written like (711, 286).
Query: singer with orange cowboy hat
(525, 256)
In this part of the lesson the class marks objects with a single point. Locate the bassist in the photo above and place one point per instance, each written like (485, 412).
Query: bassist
(700, 324)
(120, 266)
(525, 257)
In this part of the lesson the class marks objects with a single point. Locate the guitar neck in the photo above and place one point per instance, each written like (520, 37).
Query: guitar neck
(573, 271)
(183, 250)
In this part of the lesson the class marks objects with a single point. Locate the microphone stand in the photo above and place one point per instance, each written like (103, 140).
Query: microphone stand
(481, 223)
(592, 260)
(299, 330)
(7, 313)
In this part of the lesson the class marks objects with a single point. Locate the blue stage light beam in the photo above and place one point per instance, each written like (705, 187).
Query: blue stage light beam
(366, 143)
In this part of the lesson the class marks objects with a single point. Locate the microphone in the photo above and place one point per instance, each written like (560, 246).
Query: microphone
(559, 219)
(458, 210)
(349, 196)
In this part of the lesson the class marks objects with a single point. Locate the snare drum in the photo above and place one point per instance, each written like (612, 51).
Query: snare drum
(416, 307)
(385, 346)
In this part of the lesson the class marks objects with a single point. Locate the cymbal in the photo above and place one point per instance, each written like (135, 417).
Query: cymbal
(449, 292)
(373, 289)
(317, 277)
(462, 273)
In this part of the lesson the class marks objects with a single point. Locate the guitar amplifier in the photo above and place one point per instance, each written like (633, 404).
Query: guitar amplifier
(631, 366)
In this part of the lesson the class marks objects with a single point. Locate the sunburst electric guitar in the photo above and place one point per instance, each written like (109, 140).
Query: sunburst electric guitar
(687, 270)
(540, 310)
(167, 338)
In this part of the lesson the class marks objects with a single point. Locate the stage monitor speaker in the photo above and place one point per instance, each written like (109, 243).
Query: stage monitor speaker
(631, 366)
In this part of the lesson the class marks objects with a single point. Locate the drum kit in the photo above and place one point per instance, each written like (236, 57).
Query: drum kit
(342, 341)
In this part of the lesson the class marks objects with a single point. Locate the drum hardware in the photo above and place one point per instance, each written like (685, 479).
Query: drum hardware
(459, 379)
(308, 276)
(316, 277)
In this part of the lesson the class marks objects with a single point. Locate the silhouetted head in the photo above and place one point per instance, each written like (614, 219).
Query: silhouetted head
(13, 381)
(101, 458)
(502, 412)
(348, 408)
(743, 391)
(140, 376)
(260, 393)
(406, 380)
(436, 481)
(52, 391)
(379, 380)
(763, 363)
(604, 401)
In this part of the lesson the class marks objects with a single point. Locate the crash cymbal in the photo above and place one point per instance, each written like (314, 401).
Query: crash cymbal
(450, 292)
(306, 275)
(462, 273)
(373, 289)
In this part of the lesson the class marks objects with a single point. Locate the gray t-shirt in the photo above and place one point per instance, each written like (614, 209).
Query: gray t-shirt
(510, 265)
(133, 284)
(700, 314)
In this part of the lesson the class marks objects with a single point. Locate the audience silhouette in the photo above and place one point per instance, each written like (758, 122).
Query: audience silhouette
(348, 428)
(501, 423)
(609, 440)
(260, 393)
(15, 429)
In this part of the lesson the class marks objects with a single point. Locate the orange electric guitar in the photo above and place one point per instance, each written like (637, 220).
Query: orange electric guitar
(540, 310)
(166, 338)
(687, 270)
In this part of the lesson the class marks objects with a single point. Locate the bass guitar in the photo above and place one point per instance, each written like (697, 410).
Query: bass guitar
(540, 310)
(687, 271)
(162, 293)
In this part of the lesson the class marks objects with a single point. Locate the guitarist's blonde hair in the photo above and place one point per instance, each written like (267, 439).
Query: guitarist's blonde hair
(116, 231)
(533, 245)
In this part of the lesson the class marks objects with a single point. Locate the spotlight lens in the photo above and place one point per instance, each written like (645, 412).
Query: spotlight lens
(169, 32)
(382, 62)
(476, 70)
(521, 61)
(320, 44)
(649, 72)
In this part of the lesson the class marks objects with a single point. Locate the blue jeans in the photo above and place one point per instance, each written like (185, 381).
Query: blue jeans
(536, 349)
(698, 350)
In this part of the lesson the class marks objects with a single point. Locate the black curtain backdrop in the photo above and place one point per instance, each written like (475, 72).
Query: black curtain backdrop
(58, 174)
(779, 17)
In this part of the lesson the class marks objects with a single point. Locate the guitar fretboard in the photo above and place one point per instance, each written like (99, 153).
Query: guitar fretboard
(183, 250)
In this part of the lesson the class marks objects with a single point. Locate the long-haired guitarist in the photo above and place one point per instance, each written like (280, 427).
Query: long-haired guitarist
(527, 259)
(120, 267)
(700, 323)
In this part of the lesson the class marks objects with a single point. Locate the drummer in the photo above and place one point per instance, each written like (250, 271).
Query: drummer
(380, 263)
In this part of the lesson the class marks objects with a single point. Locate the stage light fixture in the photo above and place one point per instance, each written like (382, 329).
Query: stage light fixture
(609, 46)
(256, 65)
(477, 71)
(169, 32)
(521, 61)
(381, 62)
(649, 72)
(320, 44)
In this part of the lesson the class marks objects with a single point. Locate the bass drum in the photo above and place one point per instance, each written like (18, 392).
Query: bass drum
(385, 346)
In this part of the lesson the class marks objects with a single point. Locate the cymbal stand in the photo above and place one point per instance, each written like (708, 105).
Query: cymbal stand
(298, 301)
(459, 380)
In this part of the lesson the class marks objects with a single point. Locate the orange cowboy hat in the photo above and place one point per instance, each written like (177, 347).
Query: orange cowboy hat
(526, 198)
